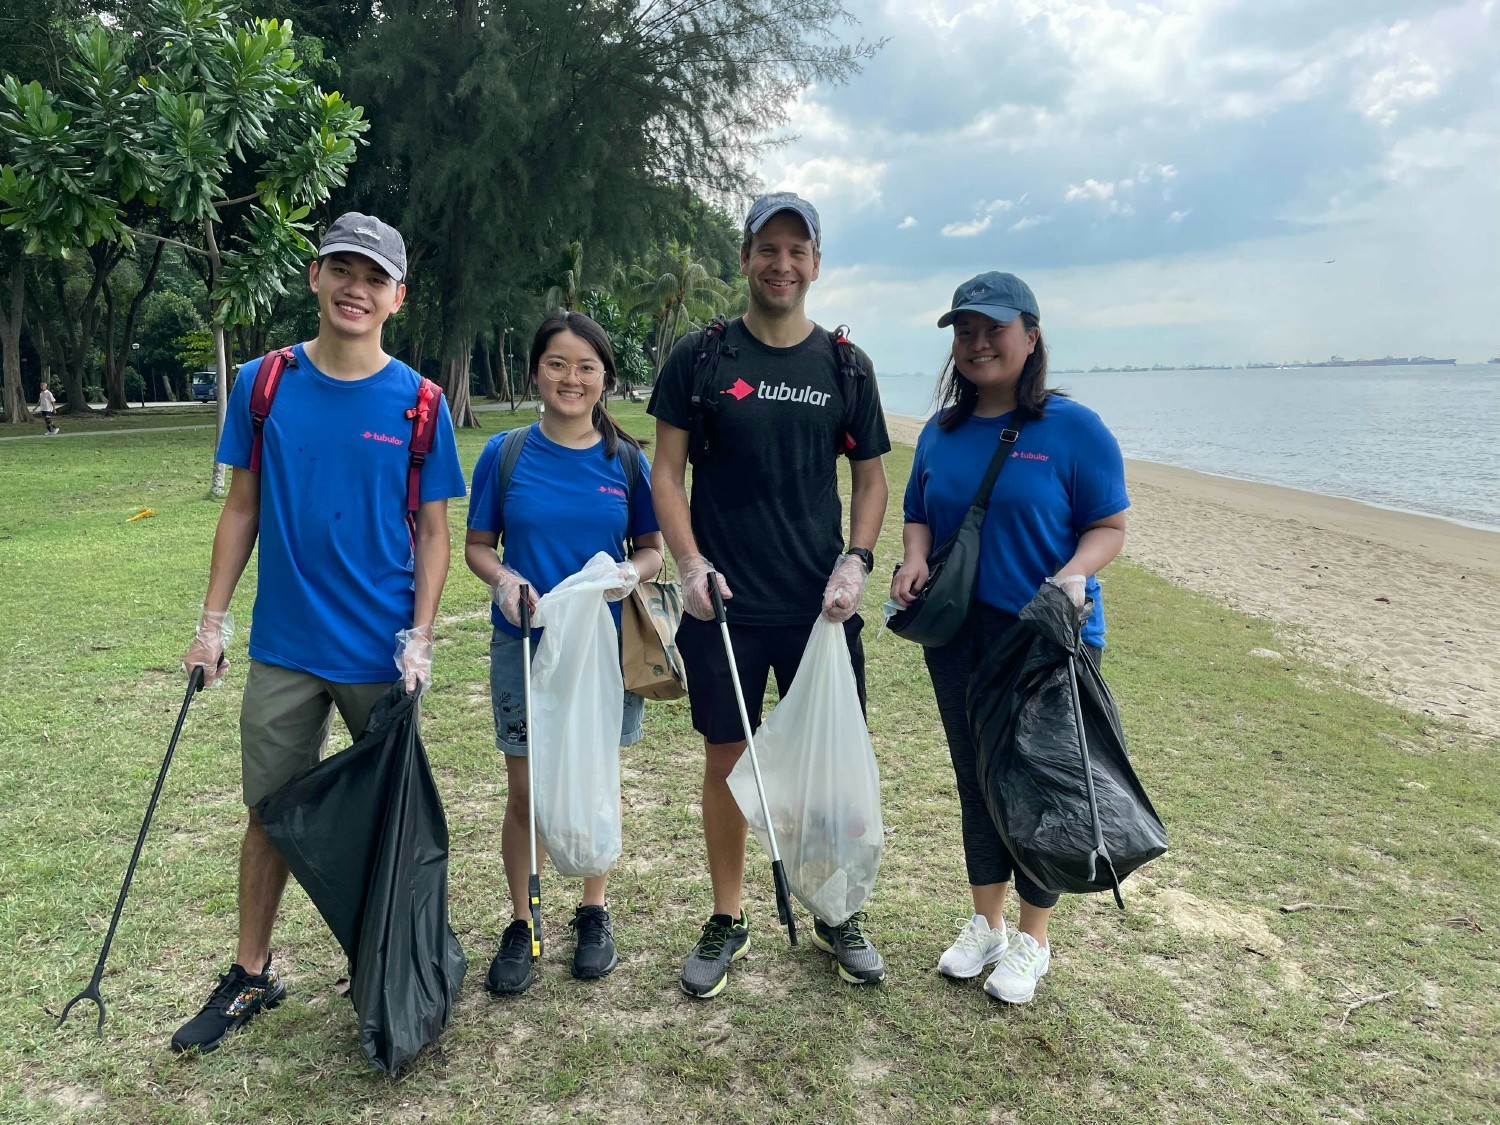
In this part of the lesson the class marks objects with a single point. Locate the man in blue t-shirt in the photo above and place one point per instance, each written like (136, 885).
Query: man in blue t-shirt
(345, 582)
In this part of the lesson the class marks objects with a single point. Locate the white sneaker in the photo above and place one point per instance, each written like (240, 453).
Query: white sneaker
(975, 947)
(1023, 964)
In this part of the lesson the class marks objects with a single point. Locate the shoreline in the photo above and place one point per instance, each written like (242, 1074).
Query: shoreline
(1401, 602)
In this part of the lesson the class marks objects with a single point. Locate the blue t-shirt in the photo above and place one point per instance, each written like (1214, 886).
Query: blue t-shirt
(562, 508)
(336, 569)
(1064, 473)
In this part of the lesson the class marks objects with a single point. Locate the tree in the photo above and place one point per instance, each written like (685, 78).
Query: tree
(167, 319)
(511, 130)
(676, 291)
(175, 105)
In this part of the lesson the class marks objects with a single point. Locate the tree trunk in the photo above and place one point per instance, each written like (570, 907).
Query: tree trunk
(487, 374)
(10, 338)
(115, 362)
(221, 364)
(456, 386)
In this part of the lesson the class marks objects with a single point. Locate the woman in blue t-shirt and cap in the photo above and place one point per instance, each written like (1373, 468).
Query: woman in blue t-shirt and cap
(568, 499)
(1057, 513)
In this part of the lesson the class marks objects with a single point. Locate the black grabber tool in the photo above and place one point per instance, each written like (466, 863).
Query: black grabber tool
(534, 881)
(778, 873)
(195, 685)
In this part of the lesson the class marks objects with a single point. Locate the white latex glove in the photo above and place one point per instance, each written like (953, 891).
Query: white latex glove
(845, 585)
(414, 656)
(505, 591)
(210, 643)
(1074, 585)
(693, 572)
(630, 578)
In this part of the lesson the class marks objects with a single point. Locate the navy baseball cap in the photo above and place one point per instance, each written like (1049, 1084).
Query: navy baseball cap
(355, 233)
(999, 296)
(775, 202)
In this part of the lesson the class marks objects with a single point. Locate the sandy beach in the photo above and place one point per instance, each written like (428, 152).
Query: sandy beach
(1404, 604)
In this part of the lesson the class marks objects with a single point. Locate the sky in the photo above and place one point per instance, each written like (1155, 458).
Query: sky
(1187, 181)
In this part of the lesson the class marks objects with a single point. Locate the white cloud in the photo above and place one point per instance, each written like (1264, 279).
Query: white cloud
(1097, 190)
(969, 229)
(997, 206)
(840, 183)
(907, 223)
(1030, 221)
(1178, 216)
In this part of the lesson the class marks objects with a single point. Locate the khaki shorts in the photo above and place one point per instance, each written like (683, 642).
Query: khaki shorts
(284, 723)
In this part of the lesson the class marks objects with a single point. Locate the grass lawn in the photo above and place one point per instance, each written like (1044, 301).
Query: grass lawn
(1201, 1002)
(135, 418)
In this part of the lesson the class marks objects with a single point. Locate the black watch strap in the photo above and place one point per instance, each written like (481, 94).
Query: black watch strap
(864, 556)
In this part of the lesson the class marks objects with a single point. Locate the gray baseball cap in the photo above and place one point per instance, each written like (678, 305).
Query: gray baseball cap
(354, 233)
(775, 202)
(999, 296)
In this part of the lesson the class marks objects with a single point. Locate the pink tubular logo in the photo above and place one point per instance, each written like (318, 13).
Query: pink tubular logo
(371, 436)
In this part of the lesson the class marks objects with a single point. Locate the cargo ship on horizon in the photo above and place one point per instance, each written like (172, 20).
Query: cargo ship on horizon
(1388, 361)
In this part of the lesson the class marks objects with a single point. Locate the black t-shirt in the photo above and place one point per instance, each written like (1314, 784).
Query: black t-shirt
(765, 504)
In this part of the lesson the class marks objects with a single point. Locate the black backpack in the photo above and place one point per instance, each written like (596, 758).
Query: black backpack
(704, 403)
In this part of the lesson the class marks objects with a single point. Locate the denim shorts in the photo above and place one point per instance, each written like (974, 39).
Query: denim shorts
(508, 699)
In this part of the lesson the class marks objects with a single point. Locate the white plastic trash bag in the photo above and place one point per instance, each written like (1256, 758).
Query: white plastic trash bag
(577, 703)
(822, 783)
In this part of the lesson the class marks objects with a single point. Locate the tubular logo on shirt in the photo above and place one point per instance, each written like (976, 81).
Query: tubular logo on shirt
(371, 436)
(1028, 456)
(781, 392)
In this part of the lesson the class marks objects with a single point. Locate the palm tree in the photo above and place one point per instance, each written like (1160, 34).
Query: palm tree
(568, 291)
(678, 291)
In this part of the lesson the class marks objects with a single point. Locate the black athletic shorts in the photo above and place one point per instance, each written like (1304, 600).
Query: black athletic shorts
(758, 651)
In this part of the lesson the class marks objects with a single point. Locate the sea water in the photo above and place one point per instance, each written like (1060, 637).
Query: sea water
(1417, 439)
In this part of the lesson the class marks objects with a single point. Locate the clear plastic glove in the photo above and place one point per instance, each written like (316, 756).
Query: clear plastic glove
(845, 585)
(693, 572)
(1074, 585)
(414, 656)
(215, 631)
(630, 578)
(505, 591)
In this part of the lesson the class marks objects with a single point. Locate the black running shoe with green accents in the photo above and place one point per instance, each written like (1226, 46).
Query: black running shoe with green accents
(707, 969)
(857, 960)
(510, 971)
(238, 999)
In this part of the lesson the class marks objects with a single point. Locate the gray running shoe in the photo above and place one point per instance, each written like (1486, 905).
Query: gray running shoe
(857, 960)
(707, 968)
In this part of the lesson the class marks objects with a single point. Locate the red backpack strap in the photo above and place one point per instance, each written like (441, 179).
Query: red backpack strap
(263, 394)
(424, 420)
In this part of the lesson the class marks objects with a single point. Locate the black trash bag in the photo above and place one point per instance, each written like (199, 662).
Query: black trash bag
(364, 833)
(1071, 811)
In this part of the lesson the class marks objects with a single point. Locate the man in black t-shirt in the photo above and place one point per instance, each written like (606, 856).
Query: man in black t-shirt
(765, 506)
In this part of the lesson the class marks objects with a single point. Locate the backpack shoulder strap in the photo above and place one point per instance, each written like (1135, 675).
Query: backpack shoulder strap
(851, 372)
(263, 394)
(704, 402)
(424, 423)
(505, 468)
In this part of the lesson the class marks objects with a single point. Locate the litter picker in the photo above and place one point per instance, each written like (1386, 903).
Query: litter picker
(1101, 849)
(195, 685)
(778, 873)
(534, 882)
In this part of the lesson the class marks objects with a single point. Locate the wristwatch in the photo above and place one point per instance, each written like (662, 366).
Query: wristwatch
(864, 556)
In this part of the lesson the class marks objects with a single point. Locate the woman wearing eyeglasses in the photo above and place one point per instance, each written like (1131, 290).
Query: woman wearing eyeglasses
(566, 501)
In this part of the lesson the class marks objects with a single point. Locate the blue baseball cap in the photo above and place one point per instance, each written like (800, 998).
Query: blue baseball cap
(775, 202)
(999, 296)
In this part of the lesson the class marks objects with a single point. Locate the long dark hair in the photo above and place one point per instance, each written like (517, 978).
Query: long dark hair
(587, 329)
(957, 397)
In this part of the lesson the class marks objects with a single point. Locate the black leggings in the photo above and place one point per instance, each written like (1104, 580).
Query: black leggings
(985, 854)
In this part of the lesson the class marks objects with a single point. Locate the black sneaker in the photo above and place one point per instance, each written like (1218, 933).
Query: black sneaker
(237, 1000)
(595, 954)
(707, 969)
(510, 971)
(857, 960)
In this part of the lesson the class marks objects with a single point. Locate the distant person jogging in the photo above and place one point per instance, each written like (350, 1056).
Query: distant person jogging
(1057, 512)
(765, 508)
(568, 499)
(348, 589)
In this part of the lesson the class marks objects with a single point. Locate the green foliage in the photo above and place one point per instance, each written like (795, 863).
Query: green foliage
(195, 350)
(167, 319)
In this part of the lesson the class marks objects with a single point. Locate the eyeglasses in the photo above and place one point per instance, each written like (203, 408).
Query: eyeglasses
(589, 371)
